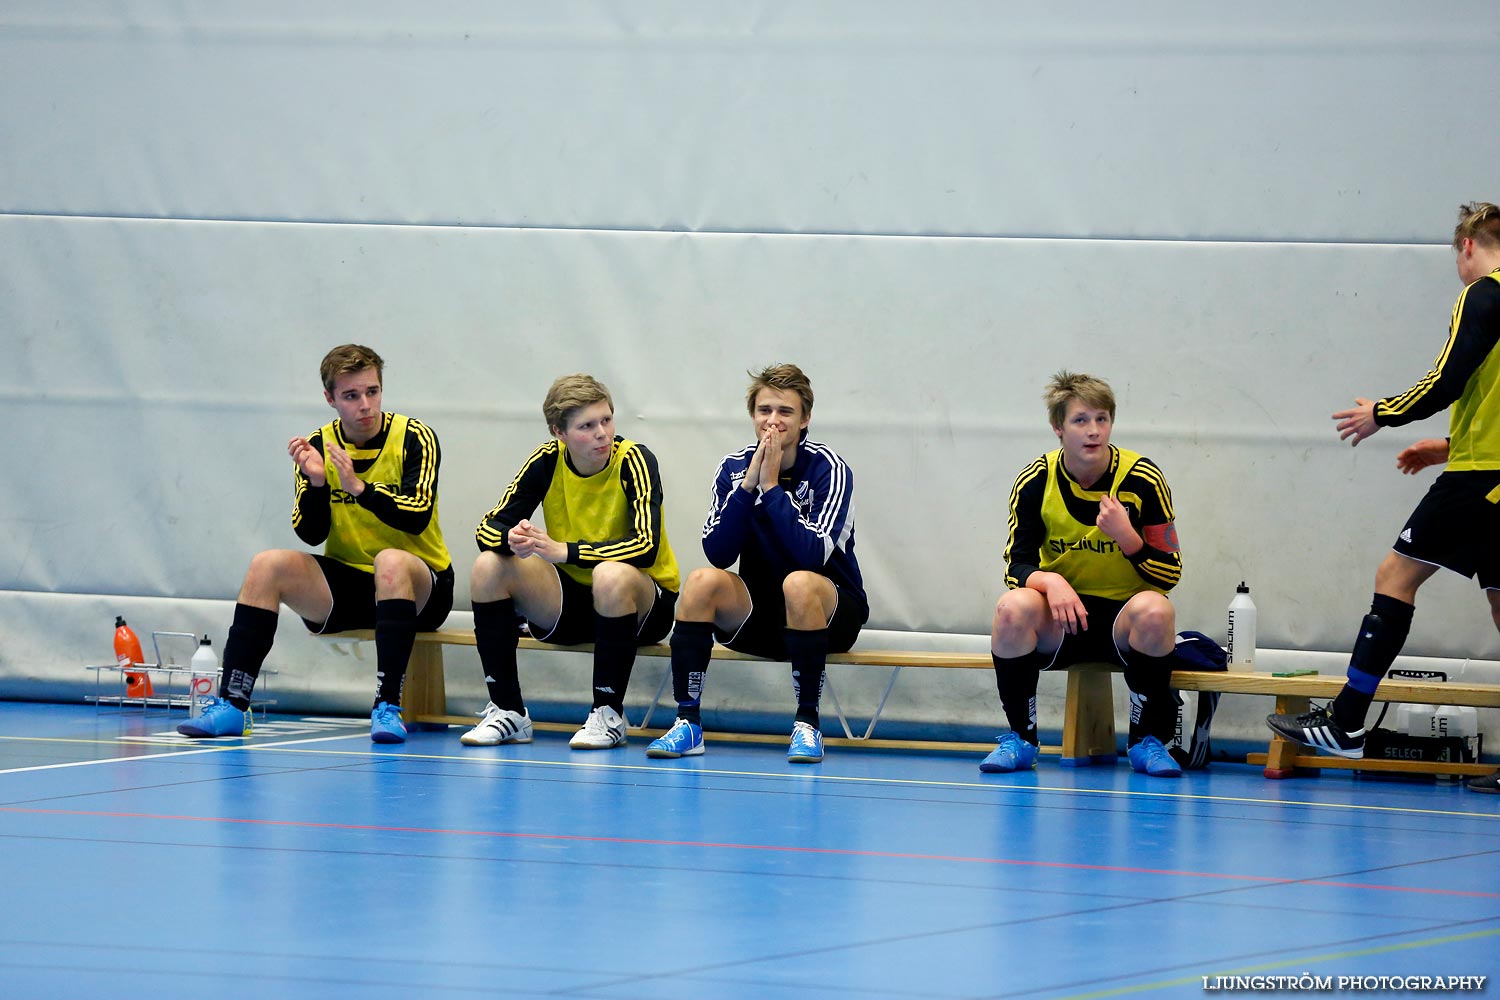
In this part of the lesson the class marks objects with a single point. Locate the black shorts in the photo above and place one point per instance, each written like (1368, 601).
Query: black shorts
(575, 622)
(1455, 526)
(763, 632)
(1096, 644)
(353, 593)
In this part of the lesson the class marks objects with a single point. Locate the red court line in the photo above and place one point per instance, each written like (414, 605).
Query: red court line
(772, 848)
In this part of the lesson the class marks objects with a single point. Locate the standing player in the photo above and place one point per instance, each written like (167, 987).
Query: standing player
(1457, 524)
(601, 570)
(1092, 554)
(367, 485)
(783, 507)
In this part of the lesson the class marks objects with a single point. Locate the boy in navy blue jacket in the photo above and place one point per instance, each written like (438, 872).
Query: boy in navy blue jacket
(783, 507)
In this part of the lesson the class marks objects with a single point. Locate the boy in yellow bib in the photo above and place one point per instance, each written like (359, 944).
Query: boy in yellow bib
(601, 571)
(366, 484)
(1092, 554)
(1454, 525)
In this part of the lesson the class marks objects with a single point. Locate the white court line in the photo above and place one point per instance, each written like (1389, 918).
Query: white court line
(158, 756)
(791, 777)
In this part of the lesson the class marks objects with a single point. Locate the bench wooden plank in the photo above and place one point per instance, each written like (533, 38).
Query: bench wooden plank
(1088, 717)
(1328, 685)
(1088, 721)
(1293, 697)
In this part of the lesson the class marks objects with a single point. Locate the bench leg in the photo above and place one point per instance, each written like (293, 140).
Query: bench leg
(1089, 719)
(424, 694)
(1281, 755)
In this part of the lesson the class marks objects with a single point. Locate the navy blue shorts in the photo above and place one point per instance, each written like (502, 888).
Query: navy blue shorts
(763, 633)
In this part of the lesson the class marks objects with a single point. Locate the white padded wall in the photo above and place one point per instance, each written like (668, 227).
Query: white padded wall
(1238, 216)
(1268, 120)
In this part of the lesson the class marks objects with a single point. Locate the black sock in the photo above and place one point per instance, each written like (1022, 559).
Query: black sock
(1381, 636)
(614, 656)
(395, 632)
(808, 651)
(495, 639)
(250, 637)
(692, 647)
(1015, 679)
(1153, 709)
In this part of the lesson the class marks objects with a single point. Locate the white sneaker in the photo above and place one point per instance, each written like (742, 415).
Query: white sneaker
(604, 728)
(499, 725)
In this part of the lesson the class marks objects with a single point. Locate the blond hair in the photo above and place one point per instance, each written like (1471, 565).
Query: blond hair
(782, 378)
(347, 359)
(570, 394)
(1067, 386)
(1478, 221)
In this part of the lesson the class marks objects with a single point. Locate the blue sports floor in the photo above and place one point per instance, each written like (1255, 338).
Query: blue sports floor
(305, 862)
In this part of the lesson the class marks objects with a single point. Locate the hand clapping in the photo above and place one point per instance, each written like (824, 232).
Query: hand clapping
(309, 460)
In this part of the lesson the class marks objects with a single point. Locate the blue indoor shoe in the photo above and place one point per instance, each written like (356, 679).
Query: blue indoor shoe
(684, 739)
(1150, 757)
(219, 718)
(1013, 754)
(806, 746)
(386, 725)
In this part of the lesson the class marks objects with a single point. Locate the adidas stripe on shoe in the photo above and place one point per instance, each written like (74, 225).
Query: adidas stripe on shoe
(499, 725)
(1317, 729)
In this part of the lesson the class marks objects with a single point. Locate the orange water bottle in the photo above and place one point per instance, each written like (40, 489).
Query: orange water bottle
(127, 653)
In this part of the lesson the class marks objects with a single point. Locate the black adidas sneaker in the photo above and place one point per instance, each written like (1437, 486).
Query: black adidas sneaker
(1318, 730)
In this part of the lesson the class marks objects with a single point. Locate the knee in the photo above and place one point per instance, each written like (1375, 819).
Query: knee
(702, 591)
(392, 562)
(396, 573)
(1158, 616)
(267, 567)
(1153, 625)
(803, 590)
(1015, 614)
(490, 570)
(614, 586)
(1385, 573)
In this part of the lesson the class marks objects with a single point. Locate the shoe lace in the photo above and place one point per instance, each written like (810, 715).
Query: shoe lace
(387, 714)
(1316, 715)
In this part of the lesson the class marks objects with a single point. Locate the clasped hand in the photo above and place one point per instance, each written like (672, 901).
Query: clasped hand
(526, 539)
(764, 470)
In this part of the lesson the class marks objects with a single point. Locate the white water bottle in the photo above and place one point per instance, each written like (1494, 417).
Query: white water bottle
(203, 682)
(1242, 630)
(1449, 720)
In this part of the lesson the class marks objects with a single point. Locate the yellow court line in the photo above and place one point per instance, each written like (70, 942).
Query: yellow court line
(1283, 964)
(914, 782)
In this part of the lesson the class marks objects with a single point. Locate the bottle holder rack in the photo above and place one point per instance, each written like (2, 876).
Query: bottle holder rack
(174, 684)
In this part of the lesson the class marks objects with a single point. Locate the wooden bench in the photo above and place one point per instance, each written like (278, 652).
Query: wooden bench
(1088, 714)
(1088, 724)
(1294, 694)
